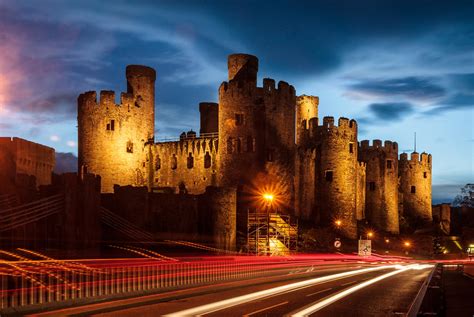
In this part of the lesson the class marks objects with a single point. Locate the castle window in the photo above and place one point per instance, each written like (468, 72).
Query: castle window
(174, 162)
(157, 163)
(239, 145)
(250, 144)
(328, 175)
(129, 147)
(413, 189)
(389, 164)
(239, 119)
(230, 145)
(270, 155)
(207, 160)
(425, 175)
(351, 147)
(190, 161)
(372, 186)
(111, 126)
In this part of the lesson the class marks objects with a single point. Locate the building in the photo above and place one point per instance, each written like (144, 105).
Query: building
(255, 139)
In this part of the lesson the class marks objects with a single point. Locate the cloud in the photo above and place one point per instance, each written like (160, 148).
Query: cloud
(411, 88)
(390, 111)
(65, 163)
(458, 101)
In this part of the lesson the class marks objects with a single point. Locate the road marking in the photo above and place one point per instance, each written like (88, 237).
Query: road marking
(223, 304)
(349, 283)
(311, 309)
(318, 292)
(264, 309)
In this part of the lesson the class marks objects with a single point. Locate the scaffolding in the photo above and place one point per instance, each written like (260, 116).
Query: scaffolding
(271, 233)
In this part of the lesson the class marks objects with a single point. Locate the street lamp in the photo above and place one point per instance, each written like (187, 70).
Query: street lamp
(268, 197)
(387, 240)
(338, 223)
(407, 244)
(370, 234)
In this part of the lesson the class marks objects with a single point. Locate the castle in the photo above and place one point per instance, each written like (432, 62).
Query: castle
(255, 139)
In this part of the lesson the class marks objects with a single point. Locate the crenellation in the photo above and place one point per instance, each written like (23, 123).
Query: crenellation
(88, 98)
(328, 122)
(107, 98)
(268, 85)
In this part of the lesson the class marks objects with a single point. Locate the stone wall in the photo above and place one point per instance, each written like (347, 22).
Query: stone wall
(381, 207)
(23, 157)
(188, 165)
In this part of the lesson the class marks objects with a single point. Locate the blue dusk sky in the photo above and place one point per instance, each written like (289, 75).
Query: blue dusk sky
(397, 67)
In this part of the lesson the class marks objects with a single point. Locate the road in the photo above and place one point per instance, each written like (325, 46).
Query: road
(342, 290)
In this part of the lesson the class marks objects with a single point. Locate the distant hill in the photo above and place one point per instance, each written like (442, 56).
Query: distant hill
(65, 163)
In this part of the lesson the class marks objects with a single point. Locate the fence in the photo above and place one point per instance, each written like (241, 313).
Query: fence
(30, 283)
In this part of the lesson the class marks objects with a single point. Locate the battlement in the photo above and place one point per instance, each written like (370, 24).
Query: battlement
(388, 146)
(87, 98)
(186, 147)
(249, 88)
(343, 123)
(415, 157)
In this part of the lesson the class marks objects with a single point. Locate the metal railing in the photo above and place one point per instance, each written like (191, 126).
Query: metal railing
(34, 283)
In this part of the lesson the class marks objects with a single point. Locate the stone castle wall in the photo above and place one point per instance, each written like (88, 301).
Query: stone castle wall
(415, 185)
(23, 157)
(381, 203)
(112, 136)
(188, 165)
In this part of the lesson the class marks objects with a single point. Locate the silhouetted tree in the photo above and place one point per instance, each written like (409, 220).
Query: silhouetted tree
(466, 197)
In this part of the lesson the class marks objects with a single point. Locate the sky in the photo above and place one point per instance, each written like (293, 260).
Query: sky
(397, 67)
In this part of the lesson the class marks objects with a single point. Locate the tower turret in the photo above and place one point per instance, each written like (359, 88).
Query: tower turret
(381, 207)
(306, 109)
(243, 67)
(209, 118)
(337, 173)
(415, 186)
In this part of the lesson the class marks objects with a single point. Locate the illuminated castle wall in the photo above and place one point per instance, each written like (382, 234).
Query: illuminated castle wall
(253, 137)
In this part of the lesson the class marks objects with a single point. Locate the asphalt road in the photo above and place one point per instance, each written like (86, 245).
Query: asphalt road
(376, 290)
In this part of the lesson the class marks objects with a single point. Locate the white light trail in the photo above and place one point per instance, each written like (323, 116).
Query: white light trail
(329, 300)
(223, 304)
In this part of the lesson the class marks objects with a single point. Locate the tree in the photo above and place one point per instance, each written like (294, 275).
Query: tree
(466, 197)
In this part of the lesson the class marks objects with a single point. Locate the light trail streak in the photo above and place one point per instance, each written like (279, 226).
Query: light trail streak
(334, 298)
(213, 307)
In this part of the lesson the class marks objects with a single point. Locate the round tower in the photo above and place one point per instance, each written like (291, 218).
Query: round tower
(415, 186)
(381, 202)
(240, 118)
(336, 173)
(112, 136)
(306, 109)
(209, 118)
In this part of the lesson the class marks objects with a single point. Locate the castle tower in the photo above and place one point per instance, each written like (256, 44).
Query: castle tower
(306, 109)
(337, 173)
(381, 206)
(209, 118)
(112, 136)
(415, 186)
(256, 130)
(241, 132)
